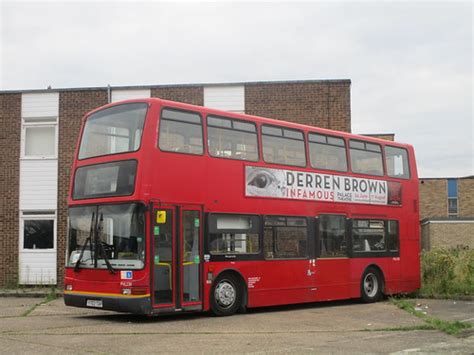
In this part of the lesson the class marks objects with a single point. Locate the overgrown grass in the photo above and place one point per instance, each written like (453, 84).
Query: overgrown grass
(452, 328)
(447, 273)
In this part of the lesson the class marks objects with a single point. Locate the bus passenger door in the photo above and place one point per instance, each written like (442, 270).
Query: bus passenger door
(190, 258)
(176, 257)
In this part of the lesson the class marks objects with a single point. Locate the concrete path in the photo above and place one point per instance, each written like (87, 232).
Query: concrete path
(336, 327)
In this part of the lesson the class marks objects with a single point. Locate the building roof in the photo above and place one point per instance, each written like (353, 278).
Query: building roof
(137, 87)
(449, 177)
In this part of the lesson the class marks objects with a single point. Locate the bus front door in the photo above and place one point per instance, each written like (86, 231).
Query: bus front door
(176, 258)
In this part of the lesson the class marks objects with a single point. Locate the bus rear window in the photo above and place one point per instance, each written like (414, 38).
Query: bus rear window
(113, 130)
(105, 180)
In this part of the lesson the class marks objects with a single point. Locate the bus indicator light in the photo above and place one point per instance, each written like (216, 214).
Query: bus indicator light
(161, 217)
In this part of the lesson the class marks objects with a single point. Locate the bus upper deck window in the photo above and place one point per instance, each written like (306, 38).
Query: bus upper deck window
(396, 160)
(283, 146)
(232, 139)
(181, 132)
(114, 130)
(327, 152)
(366, 158)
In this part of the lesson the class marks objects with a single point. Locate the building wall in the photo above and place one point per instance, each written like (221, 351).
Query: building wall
(447, 234)
(433, 198)
(72, 107)
(10, 137)
(193, 95)
(386, 136)
(466, 198)
(321, 103)
(228, 98)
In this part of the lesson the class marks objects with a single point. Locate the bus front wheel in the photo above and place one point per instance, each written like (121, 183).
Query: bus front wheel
(226, 295)
(371, 286)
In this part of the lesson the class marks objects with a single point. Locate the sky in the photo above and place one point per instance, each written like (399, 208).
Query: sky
(410, 63)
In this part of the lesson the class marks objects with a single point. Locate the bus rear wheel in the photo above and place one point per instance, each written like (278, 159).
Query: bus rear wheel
(371, 286)
(226, 295)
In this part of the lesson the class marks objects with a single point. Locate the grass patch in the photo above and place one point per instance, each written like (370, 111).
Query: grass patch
(50, 297)
(451, 328)
(405, 328)
(447, 273)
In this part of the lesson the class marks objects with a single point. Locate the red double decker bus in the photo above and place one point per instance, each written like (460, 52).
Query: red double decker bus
(175, 207)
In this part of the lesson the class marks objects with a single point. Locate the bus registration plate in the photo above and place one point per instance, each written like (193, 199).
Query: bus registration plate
(94, 303)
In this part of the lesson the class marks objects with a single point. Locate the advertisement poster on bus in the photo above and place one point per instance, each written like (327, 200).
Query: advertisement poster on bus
(303, 185)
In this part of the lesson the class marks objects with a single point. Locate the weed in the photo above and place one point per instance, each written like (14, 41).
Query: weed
(447, 273)
(452, 328)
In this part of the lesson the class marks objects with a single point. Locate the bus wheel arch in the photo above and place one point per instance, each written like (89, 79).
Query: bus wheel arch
(228, 293)
(372, 284)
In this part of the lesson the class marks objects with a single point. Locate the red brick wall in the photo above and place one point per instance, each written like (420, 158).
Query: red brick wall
(193, 95)
(72, 107)
(321, 104)
(10, 137)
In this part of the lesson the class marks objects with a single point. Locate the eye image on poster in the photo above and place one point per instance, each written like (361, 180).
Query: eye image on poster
(265, 182)
(302, 185)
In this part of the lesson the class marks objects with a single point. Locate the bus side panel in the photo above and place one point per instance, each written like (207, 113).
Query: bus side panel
(281, 282)
(331, 279)
(411, 267)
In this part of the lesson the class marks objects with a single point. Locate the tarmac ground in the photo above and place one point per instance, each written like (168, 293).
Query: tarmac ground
(31, 325)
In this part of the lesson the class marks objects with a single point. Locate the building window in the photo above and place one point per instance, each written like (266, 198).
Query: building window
(38, 230)
(452, 198)
(39, 138)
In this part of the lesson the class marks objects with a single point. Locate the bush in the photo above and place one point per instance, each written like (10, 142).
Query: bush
(447, 273)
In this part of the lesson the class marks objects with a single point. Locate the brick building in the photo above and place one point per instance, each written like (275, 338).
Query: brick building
(447, 212)
(38, 134)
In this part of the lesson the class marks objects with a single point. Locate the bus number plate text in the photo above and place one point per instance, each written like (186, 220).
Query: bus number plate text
(94, 303)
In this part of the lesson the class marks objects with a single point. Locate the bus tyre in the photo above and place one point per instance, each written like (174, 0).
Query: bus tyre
(226, 295)
(371, 286)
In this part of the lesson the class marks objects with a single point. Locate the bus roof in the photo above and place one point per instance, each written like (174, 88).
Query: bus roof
(252, 118)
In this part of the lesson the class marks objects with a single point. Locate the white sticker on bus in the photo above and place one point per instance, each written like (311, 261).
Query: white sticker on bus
(303, 185)
(126, 275)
